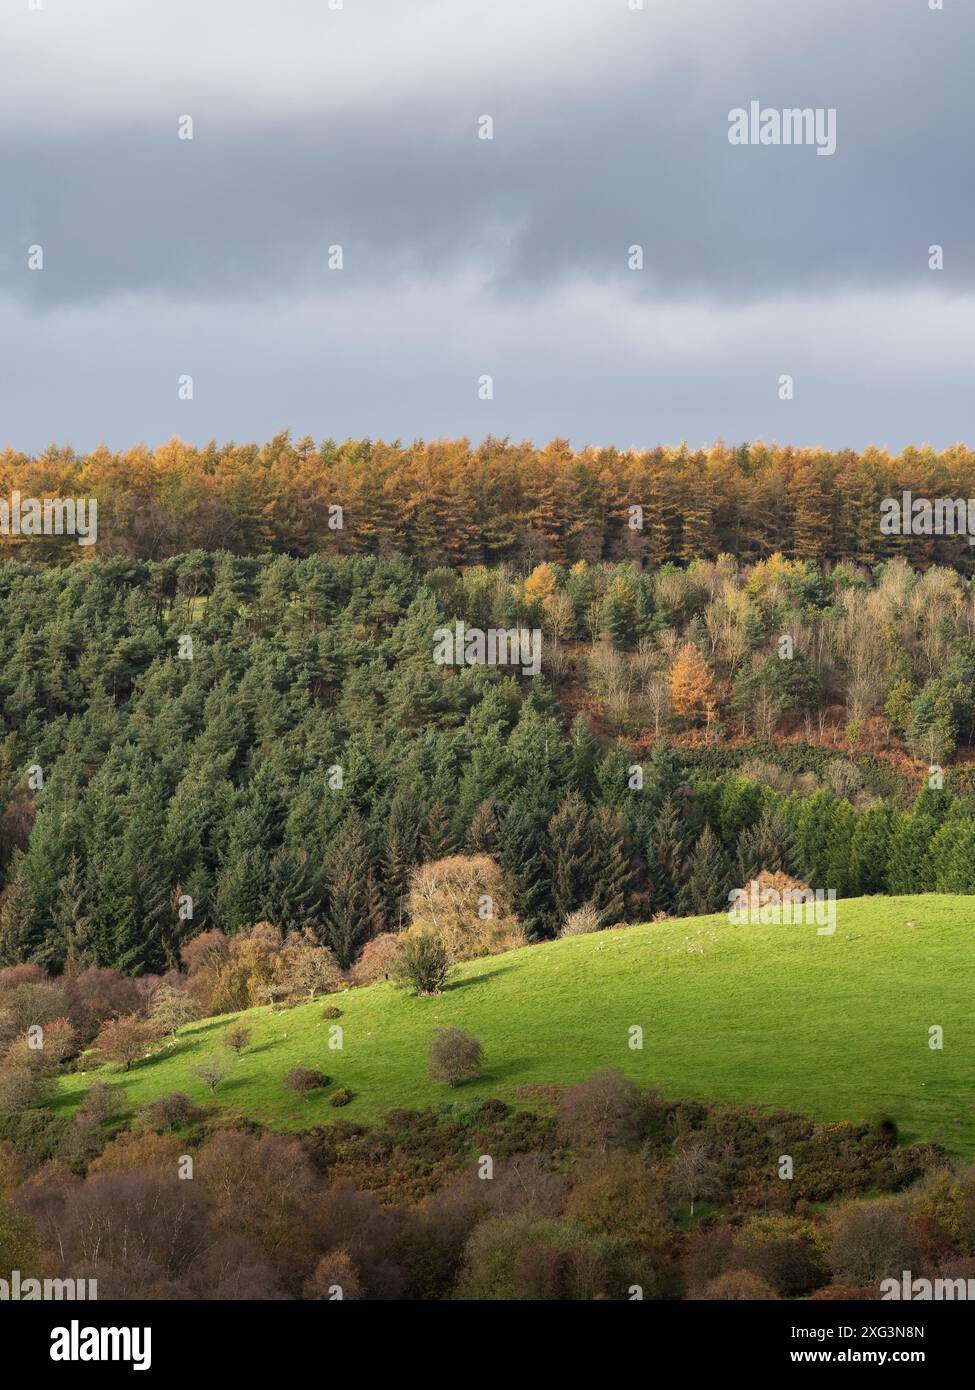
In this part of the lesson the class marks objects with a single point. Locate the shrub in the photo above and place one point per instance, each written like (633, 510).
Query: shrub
(341, 1097)
(524, 1257)
(613, 1193)
(455, 1056)
(582, 921)
(237, 1037)
(739, 1285)
(302, 1080)
(600, 1111)
(871, 1241)
(137, 1149)
(331, 1012)
(844, 1293)
(843, 778)
(101, 1103)
(707, 1254)
(334, 1277)
(98, 994)
(423, 965)
(943, 1205)
(788, 1265)
(49, 1049)
(169, 1112)
(36, 1134)
(258, 965)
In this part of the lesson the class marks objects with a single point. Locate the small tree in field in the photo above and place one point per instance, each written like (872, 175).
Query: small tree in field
(423, 965)
(378, 959)
(211, 1072)
(122, 1040)
(237, 1037)
(172, 1008)
(455, 1056)
(466, 901)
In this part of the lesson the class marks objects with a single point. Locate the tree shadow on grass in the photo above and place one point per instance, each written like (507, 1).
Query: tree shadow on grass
(181, 1048)
(503, 1071)
(476, 979)
(212, 1024)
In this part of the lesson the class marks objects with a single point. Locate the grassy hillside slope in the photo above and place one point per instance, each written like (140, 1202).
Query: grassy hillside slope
(832, 1026)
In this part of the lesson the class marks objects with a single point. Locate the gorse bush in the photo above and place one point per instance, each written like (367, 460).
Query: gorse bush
(424, 964)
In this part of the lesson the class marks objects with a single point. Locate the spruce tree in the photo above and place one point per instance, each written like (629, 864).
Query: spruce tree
(437, 838)
(354, 911)
(768, 844)
(523, 853)
(403, 852)
(583, 759)
(572, 861)
(612, 874)
(708, 879)
(666, 857)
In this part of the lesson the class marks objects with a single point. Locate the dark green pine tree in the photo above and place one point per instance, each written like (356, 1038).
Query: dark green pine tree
(665, 857)
(524, 853)
(612, 779)
(957, 872)
(132, 924)
(354, 912)
(536, 750)
(583, 759)
(437, 838)
(708, 881)
(485, 774)
(68, 947)
(838, 845)
(571, 841)
(768, 844)
(260, 819)
(21, 936)
(909, 869)
(241, 886)
(293, 898)
(403, 852)
(612, 872)
(815, 826)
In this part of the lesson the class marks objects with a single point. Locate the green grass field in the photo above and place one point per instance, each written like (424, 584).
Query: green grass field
(835, 1027)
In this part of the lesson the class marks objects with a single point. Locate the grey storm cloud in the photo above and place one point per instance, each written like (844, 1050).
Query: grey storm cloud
(357, 126)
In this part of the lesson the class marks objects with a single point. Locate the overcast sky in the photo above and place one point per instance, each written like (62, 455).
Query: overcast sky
(464, 257)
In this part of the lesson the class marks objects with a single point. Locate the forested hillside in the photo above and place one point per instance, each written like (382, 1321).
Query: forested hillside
(213, 741)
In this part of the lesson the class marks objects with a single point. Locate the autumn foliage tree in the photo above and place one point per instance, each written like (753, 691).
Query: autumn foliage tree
(692, 687)
(465, 901)
(122, 1040)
